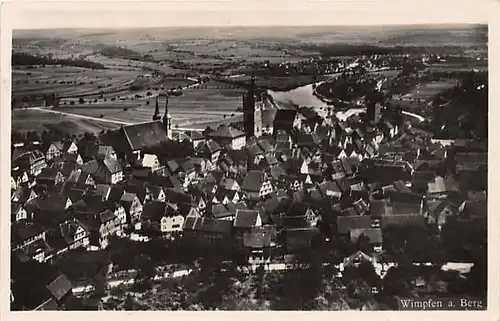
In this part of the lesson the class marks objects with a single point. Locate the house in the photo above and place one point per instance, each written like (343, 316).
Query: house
(101, 226)
(57, 149)
(133, 208)
(103, 191)
(300, 238)
(50, 177)
(228, 137)
(106, 151)
(256, 184)
(442, 186)
(355, 260)
(196, 139)
(19, 178)
(208, 231)
(157, 193)
(221, 212)
(100, 221)
(347, 223)
(37, 250)
(69, 235)
(437, 211)
(164, 217)
(17, 212)
(385, 171)
(24, 233)
(150, 161)
(372, 236)
(258, 241)
(107, 171)
(24, 195)
(211, 150)
(74, 159)
(81, 180)
(33, 162)
(246, 219)
(403, 219)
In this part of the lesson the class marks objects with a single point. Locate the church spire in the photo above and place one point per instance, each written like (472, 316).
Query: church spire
(166, 106)
(156, 115)
(249, 109)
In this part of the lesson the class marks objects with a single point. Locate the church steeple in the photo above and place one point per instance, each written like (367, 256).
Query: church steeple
(156, 115)
(249, 109)
(166, 106)
(167, 120)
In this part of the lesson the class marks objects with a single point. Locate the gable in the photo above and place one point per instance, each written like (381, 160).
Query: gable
(72, 147)
(53, 148)
(68, 203)
(89, 180)
(79, 230)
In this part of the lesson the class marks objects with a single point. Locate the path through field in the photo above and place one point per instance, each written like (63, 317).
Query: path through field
(104, 120)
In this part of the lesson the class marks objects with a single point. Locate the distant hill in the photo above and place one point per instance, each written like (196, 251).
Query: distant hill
(412, 34)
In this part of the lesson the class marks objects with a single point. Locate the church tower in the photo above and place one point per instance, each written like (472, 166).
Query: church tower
(156, 115)
(252, 116)
(167, 120)
(249, 109)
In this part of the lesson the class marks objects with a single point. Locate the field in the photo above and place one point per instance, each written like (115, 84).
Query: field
(68, 82)
(430, 90)
(33, 120)
(211, 102)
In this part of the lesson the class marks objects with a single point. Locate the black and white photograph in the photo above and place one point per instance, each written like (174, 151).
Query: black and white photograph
(227, 165)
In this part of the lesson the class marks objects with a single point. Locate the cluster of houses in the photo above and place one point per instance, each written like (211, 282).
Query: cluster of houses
(312, 177)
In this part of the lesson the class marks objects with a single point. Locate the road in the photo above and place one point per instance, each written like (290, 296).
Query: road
(103, 120)
(420, 118)
(173, 275)
(343, 115)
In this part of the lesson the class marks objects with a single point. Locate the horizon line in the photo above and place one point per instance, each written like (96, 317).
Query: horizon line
(395, 24)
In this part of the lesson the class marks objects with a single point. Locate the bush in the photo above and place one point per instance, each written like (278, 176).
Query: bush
(81, 101)
(72, 102)
(125, 109)
(101, 116)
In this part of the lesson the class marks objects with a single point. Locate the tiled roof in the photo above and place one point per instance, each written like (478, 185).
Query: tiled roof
(403, 220)
(225, 131)
(347, 223)
(374, 235)
(113, 165)
(60, 287)
(260, 237)
(246, 218)
(253, 181)
(143, 135)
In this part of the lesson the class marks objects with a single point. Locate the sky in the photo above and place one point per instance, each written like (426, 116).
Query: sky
(131, 14)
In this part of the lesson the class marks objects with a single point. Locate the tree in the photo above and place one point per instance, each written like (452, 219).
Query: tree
(81, 100)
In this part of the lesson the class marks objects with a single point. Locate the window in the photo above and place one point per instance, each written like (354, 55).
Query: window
(176, 226)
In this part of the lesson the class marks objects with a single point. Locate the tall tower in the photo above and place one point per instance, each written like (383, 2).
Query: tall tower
(259, 107)
(249, 110)
(156, 115)
(167, 120)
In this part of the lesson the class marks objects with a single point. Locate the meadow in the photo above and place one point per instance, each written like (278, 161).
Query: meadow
(24, 120)
(429, 90)
(211, 102)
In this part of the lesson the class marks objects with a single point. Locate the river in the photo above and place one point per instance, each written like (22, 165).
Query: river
(302, 96)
